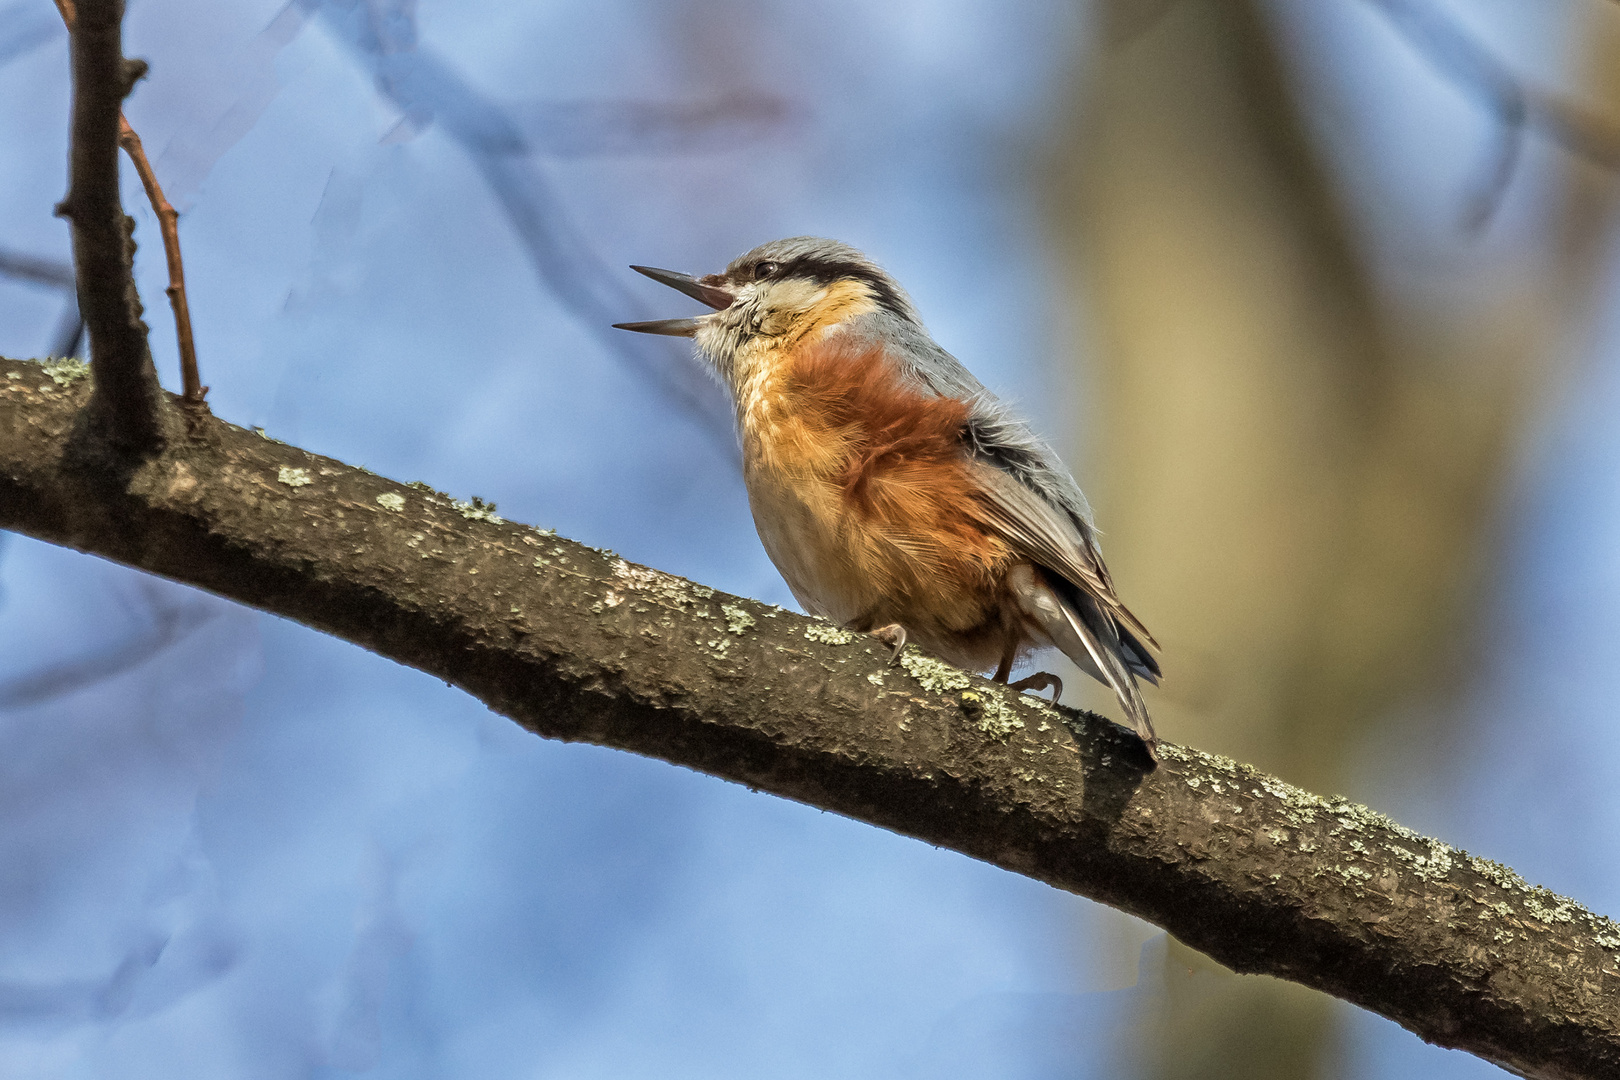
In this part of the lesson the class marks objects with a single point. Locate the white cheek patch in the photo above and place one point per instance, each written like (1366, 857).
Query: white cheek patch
(786, 301)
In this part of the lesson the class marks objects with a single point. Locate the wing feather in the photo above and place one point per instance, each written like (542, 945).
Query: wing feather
(1034, 527)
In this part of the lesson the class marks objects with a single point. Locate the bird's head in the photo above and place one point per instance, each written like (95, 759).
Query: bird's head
(778, 293)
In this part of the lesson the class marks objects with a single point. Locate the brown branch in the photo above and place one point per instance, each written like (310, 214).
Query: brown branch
(193, 391)
(128, 405)
(578, 644)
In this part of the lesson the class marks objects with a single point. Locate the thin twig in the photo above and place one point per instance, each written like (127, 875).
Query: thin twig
(169, 222)
(169, 225)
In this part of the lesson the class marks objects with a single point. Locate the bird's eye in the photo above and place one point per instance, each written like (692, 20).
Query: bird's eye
(764, 270)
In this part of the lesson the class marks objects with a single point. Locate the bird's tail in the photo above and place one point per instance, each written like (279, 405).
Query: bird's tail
(1077, 624)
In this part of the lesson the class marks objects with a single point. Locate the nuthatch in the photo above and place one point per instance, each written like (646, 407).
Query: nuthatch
(896, 494)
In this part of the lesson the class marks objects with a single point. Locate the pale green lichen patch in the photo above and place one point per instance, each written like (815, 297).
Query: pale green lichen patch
(1299, 807)
(477, 510)
(391, 501)
(1042, 708)
(876, 678)
(1552, 909)
(1542, 905)
(657, 585)
(990, 714)
(934, 675)
(1433, 866)
(828, 634)
(293, 477)
(1502, 877)
(738, 621)
(1427, 859)
(65, 371)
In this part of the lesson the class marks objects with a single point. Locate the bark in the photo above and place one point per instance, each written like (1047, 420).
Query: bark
(127, 410)
(578, 644)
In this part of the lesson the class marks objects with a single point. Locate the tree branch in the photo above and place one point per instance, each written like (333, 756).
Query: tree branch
(128, 404)
(578, 644)
(193, 391)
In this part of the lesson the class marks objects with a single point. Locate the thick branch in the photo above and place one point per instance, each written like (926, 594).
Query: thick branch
(578, 644)
(128, 404)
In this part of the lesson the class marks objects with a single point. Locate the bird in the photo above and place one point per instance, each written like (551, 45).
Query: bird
(896, 495)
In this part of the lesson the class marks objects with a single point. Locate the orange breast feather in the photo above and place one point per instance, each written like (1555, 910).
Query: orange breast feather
(889, 461)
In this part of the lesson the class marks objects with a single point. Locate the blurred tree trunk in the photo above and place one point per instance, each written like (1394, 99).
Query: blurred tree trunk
(1296, 477)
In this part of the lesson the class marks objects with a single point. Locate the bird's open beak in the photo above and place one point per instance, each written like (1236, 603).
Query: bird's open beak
(717, 298)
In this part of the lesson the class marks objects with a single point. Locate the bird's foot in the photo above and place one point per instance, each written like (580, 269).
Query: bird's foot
(1039, 681)
(894, 636)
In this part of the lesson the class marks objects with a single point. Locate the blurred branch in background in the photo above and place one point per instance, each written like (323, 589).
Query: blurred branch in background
(1338, 455)
(34, 268)
(24, 26)
(56, 275)
(499, 140)
(1515, 105)
(164, 617)
(563, 129)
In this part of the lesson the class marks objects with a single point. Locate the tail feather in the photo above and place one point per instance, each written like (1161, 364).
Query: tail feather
(1137, 657)
(1085, 634)
(1119, 678)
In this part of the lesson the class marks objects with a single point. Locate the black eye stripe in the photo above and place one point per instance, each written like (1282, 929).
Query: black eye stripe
(825, 272)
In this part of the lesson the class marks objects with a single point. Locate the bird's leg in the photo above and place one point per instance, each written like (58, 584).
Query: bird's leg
(1039, 681)
(894, 636)
(1003, 669)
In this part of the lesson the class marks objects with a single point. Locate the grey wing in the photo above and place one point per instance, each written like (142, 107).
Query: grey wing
(1072, 601)
(1033, 526)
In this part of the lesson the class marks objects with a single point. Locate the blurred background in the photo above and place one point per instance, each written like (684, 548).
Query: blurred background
(1316, 299)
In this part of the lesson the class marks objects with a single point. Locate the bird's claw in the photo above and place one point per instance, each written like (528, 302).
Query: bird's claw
(1039, 681)
(894, 636)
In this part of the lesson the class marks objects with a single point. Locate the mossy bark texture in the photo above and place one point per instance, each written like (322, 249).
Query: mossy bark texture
(578, 644)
